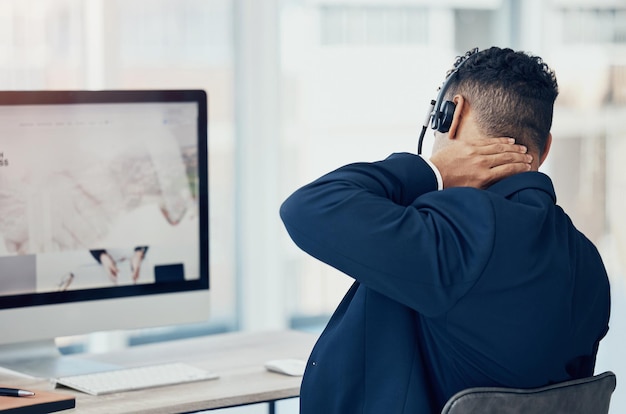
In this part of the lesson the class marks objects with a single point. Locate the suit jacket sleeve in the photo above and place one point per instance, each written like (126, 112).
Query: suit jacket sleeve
(385, 225)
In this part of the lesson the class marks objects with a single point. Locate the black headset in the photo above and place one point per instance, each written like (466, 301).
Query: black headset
(440, 112)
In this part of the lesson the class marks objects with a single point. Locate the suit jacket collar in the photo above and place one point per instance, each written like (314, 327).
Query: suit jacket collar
(524, 181)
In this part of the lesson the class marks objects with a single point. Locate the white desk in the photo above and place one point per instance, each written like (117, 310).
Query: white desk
(237, 357)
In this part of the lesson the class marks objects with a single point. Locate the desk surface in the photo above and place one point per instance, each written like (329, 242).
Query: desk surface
(238, 358)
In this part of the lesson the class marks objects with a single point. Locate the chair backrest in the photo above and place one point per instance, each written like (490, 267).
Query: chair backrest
(583, 396)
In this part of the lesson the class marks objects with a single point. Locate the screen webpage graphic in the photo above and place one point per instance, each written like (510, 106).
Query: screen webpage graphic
(97, 195)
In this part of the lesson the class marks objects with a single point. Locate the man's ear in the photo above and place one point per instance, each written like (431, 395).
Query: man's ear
(546, 149)
(459, 101)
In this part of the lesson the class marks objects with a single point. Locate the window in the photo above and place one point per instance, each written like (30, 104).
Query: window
(618, 85)
(594, 25)
(373, 25)
(474, 28)
(42, 44)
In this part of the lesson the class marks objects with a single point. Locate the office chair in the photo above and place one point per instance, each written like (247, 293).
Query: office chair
(590, 395)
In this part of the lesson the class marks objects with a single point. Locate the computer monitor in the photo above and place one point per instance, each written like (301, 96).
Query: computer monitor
(103, 217)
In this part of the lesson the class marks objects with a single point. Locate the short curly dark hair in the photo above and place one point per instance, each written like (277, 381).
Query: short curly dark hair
(512, 92)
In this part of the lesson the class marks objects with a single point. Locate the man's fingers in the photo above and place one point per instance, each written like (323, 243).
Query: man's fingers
(499, 145)
(503, 158)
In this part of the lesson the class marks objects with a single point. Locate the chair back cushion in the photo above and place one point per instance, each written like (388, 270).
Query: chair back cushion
(583, 396)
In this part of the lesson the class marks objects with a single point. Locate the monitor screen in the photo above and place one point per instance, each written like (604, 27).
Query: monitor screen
(103, 211)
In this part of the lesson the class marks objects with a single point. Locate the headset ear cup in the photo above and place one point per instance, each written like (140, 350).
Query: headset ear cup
(445, 116)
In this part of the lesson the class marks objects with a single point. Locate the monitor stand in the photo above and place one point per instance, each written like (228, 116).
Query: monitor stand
(42, 359)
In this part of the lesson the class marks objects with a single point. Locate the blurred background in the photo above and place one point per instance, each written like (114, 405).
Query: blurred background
(299, 87)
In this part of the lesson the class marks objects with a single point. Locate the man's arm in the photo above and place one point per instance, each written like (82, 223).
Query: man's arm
(366, 220)
(360, 220)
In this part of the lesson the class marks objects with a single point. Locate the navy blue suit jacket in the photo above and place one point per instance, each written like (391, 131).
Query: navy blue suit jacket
(453, 289)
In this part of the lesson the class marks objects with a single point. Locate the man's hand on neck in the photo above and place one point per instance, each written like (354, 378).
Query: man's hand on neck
(481, 162)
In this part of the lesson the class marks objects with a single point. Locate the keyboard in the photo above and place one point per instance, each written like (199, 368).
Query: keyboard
(129, 379)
